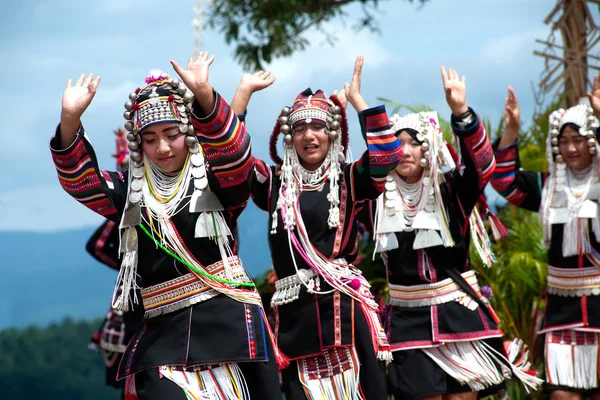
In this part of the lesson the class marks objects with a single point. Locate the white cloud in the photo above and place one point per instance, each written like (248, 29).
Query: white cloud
(43, 208)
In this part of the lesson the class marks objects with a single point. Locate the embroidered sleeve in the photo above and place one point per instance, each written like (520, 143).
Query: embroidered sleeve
(384, 150)
(104, 244)
(261, 184)
(79, 175)
(518, 187)
(477, 158)
(226, 145)
(225, 142)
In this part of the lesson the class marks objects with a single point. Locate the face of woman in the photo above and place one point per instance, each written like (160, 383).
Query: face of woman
(409, 167)
(574, 149)
(312, 144)
(165, 146)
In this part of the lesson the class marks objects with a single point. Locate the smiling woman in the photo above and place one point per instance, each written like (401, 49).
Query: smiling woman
(567, 199)
(164, 145)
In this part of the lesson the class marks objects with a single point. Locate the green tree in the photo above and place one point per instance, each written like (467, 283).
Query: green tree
(263, 30)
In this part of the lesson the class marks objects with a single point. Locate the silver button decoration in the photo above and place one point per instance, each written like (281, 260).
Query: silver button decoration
(137, 172)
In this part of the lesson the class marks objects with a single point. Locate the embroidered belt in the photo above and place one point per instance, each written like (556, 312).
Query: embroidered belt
(433, 293)
(574, 282)
(288, 289)
(189, 289)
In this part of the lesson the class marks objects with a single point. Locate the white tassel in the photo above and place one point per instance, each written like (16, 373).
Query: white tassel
(126, 282)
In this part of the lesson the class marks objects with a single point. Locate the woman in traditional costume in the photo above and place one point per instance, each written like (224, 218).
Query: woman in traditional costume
(205, 333)
(567, 199)
(327, 319)
(443, 334)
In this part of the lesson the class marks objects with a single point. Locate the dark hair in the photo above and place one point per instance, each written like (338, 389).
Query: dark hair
(571, 125)
(411, 132)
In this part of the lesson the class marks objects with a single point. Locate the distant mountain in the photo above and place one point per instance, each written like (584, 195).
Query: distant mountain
(48, 276)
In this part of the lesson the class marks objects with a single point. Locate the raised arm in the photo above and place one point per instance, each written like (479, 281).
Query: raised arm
(476, 151)
(223, 137)
(521, 188)
(76, 100)
(74, 158)
(366, 176)
(250, 84)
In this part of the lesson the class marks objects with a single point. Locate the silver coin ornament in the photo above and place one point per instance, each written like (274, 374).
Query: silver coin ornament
(555, 150)
(201, 183)
(136, 156)
(559, 158)
(135, 197)
(138, 172)
(183, 128)
(190, 141)
(423, 162)
(197, 160)
(136, 185)
(199, 172)
(390, 185)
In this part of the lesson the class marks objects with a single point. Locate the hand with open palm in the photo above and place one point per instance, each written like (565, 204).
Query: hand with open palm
(75, 101)
(257, 81)
(456, 91)
(195, 77)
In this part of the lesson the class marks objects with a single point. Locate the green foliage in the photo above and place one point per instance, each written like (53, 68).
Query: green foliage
(52, 363)
(264, 30)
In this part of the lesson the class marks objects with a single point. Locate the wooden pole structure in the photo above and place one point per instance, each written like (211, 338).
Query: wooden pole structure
(568, 64)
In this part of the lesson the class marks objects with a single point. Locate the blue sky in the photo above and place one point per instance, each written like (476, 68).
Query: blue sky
(43, 43)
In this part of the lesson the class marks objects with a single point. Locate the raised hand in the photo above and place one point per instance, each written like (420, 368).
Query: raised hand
(75, 101)
(257, 81)
(512, 112)
(195, 76)
(352, 91)
(456, 91)
(594, 96)
(512, 123)
(78, 97)
(341, 95)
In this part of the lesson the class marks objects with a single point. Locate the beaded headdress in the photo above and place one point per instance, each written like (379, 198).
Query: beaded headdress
(309, 108)
(161, 99)
(558, 204)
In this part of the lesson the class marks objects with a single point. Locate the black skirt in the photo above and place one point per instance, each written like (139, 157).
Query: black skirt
(372, 371)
